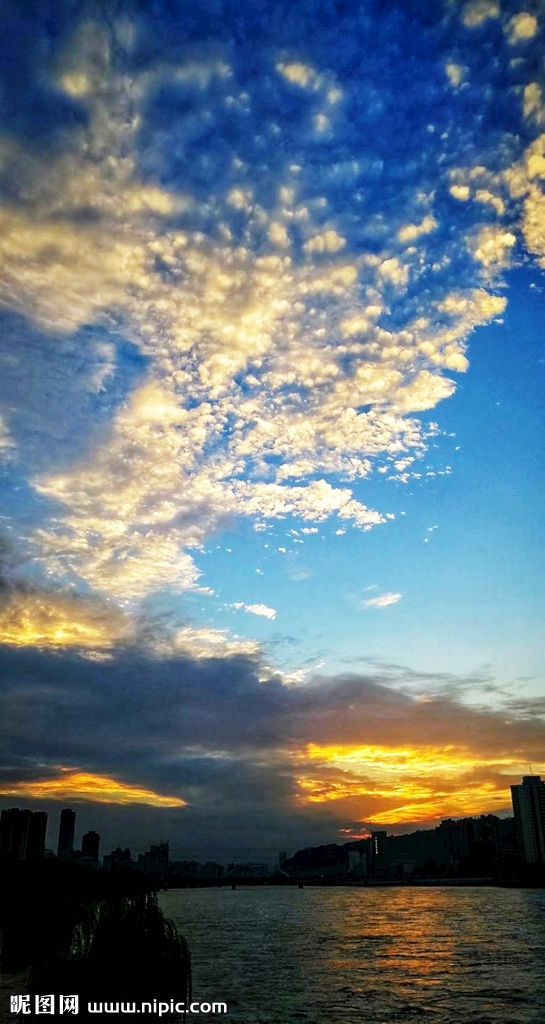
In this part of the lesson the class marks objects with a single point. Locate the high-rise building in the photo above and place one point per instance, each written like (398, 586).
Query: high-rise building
(14, 832)
(378, 853)
(22, 833)
(90, 844)
(37, 829)
(529, 810)
(67, 828)
(456, 837)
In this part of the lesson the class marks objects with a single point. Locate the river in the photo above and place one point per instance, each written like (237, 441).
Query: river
(353, 955)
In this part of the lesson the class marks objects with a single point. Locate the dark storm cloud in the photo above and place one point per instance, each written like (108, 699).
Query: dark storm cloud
(215, 733)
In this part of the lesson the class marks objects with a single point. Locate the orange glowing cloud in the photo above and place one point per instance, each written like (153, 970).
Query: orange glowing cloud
(405, 784)
(375, 760)
(98, 789)
(474, 800)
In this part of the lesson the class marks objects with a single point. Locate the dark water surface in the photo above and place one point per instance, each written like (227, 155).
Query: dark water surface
(380, 956)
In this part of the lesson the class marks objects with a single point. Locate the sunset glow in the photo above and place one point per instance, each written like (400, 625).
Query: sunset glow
(51, 620)
(410, 803)
(84, 786)
(272, 298)
(413, 784)
(382, 762)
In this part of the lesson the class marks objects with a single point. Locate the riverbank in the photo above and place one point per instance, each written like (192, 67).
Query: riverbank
(67, 929)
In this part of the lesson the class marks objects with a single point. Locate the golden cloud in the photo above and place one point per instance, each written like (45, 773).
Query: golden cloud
(522, 27)
(98, 789)
(476, 12)
(44, 619)
(404, 784)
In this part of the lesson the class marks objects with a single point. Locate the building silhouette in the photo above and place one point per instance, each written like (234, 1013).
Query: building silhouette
(118, 859)
(22, 833)
(378, 853)
(36, 835)
(67, 828)
(90, 845)
(210, 870)
(357, 863)
(155, 860)
(480, 847)
(456, 838)
(529, 810)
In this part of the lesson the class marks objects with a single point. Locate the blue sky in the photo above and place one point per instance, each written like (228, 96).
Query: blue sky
(272, 404)
(463, 553)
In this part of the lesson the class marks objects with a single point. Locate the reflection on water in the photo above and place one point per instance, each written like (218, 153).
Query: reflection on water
(383, 956)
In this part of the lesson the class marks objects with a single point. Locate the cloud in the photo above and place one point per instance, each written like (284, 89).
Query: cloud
(221, 300)
(382, 601)
(233, 321)
(33, 617)
(205, 642)
(477, 12)
(521, 27)
(39, 618)
(238, 742)
(74, 786)
(260, 609)
(255, 609)
(328, 241)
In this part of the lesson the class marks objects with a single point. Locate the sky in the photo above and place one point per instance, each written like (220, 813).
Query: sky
(271, 416)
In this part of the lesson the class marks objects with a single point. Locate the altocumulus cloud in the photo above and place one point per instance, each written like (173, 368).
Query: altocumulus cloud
(244, 263)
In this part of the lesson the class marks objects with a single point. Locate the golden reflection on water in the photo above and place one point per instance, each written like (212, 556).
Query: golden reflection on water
(418, 947)
(331, 955)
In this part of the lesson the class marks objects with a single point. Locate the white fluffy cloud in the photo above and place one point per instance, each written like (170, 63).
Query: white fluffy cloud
(381, 601)
(288, 327)
(261, 609)
(255, 609)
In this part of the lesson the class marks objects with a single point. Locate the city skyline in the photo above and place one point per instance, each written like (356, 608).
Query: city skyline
(23, 832)
(497, 850)
(487, 847)
(23, 824)
(271, 414)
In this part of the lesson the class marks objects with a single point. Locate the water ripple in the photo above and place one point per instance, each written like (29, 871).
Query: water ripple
(343, 956)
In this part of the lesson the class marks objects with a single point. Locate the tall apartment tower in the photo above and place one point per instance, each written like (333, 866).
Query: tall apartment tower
(529, 810)
(90, 844)
(37, 828)
(22, 834)
(67, 828)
